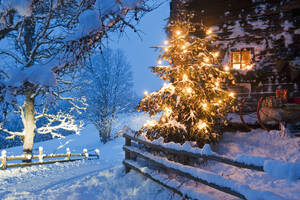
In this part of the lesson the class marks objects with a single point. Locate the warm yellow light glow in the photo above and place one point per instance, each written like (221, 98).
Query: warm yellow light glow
(204, 105)
(165, 84)
(220, 101)
(146, 92)
(183, 47)
(217, 84)
(150, 123)
(231, 94)
(206, 59)
(209, 31)
(166, 42)
(184, 51)
(236, 66)
(226, 68)
(189, 90)
(178, 32)
(185, 77)
(166, 49)
(168, 111)
(249, 67)
(215, 54)
(159, 62)
(201, 125)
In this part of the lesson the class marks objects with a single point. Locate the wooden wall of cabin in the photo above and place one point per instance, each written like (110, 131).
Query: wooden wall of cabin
(270, 28)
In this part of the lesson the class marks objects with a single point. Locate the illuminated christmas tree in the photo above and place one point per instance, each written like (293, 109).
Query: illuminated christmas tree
(194, 101)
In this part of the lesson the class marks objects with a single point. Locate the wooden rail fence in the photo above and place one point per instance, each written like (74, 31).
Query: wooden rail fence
(68, 157)
(210, 179)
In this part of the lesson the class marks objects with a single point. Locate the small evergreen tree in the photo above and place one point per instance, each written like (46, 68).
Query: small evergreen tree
(194, 100)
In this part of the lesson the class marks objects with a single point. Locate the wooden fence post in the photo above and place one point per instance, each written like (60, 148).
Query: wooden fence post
(41, 154)
(68, 153)
(127, 154)
(97, 153)
(85, 154)
(3, 159)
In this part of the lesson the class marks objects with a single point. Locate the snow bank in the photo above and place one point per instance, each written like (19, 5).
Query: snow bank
(251, 160)
(282, 170)
(210, 177)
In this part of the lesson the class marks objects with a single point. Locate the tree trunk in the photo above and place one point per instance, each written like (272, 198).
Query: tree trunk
(29, 125)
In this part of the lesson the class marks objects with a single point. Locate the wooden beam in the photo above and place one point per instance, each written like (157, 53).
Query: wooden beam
(185, 174)
(130, 164)
(197, 155)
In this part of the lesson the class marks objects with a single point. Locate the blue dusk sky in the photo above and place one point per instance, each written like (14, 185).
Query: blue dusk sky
(138, 49)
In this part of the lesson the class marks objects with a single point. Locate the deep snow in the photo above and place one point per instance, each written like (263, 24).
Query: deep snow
(105, 178)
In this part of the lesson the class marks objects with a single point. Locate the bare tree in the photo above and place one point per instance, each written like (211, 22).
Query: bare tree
(109, 90)
(42, 45)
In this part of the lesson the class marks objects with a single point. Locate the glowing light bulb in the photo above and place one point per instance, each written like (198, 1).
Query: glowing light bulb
(206, 59)
(201, 125)
(146, 92)
(178, 32)
(184, 51)
(189, 90)
(159, 62)
(204, 106)
(166, 42)
(226, 68)
(184, 77)
(183, 47)
(166, 49)
(168, 111)
(216, 54)
(209, 31)
(231, 94)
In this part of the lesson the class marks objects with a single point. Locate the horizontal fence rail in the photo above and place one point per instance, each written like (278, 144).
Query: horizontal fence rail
(217, 158)
(211, 179)
(69, 157)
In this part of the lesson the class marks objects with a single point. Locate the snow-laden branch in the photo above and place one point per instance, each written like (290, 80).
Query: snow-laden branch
(59, 121)
(72, 101)
(11, 133)
(11, 54)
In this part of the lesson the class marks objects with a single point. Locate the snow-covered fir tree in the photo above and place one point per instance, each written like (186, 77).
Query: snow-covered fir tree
(42, 45)
(194, 101)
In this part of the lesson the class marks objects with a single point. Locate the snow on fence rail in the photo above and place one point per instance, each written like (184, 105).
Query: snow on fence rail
(41, 156)
(274, 168)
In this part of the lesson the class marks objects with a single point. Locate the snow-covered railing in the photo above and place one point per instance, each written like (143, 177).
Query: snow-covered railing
(275, 169)
(69, 157)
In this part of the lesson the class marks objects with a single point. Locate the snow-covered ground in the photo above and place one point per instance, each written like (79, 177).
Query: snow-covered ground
(105, 178)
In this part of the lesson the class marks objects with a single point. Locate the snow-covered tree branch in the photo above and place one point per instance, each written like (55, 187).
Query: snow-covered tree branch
(43, 44)
(109, 90)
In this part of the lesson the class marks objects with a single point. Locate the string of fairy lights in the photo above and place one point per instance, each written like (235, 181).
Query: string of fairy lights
(194, 97)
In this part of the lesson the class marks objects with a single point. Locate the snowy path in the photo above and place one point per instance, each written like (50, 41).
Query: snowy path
(40, 179)
(91, 179)
(104, 179)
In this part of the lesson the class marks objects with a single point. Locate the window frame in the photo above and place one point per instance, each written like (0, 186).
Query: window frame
(240, 51)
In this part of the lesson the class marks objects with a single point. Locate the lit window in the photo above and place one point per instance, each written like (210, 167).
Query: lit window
(241, 60)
